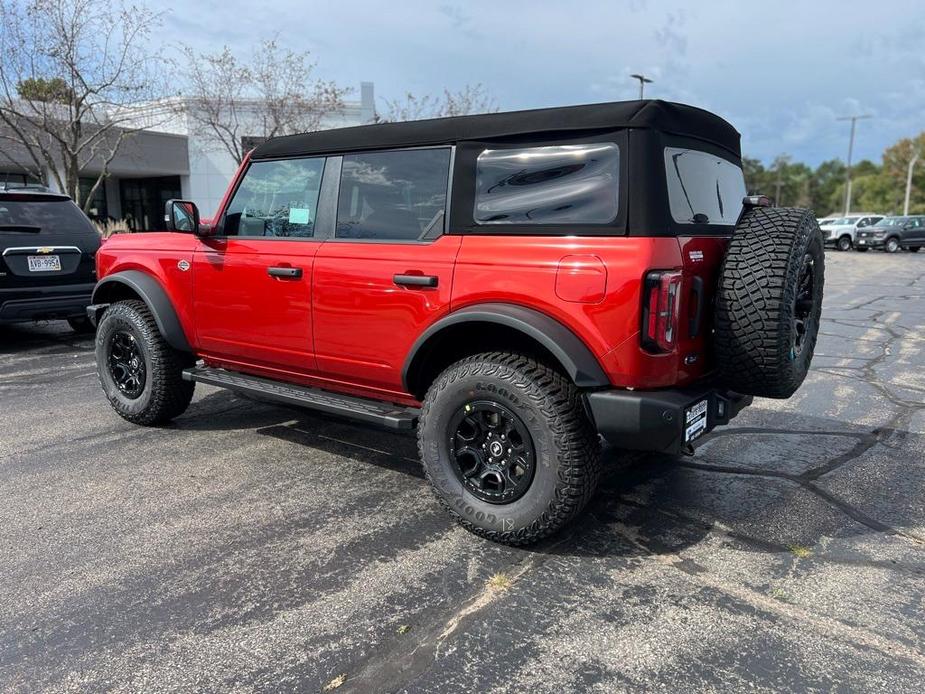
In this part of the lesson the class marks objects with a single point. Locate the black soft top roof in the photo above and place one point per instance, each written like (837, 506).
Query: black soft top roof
(664, 116)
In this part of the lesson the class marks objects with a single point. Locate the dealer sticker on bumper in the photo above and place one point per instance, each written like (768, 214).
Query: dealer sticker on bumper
(695, 421)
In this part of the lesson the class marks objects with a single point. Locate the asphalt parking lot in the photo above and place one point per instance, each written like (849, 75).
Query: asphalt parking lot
(257, 548)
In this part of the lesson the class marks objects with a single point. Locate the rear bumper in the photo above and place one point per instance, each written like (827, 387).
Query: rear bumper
(668, 421)
(37, 303)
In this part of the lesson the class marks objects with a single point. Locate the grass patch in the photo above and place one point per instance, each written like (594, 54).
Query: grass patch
(799, 551)
(335, 683)
(500, 581)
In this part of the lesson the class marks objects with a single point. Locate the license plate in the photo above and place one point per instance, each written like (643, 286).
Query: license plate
(695, 420)
(44, 263)
(862, 242)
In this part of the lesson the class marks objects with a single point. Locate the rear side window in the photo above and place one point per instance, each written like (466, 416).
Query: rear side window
(556, 184)
(703, 188)
(393, 196)
(43, 216)
(276, 199)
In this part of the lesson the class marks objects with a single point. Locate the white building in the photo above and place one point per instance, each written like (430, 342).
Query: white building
(174, 158)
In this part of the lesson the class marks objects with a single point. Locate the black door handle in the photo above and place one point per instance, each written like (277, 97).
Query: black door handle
(291, 272)
(415, 280)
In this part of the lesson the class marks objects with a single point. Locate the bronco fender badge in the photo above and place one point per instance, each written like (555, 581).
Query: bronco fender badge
(183, 265)
(696, 256)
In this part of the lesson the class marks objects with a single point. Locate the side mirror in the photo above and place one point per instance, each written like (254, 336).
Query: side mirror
(182, 215)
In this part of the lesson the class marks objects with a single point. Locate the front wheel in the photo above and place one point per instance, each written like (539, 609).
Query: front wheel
(140, 373)
(508, 447)
(844, 243)
(892, 245)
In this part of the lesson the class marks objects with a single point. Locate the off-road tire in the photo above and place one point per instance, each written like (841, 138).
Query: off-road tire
(567, 447)
(165, 395)
(843, 243)
(892, 245)
(756, 301)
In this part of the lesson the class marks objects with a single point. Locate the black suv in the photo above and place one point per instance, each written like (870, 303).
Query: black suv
(893, 233)
(47, 249)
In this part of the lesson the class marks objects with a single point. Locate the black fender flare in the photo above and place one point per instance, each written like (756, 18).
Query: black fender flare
(572, 353)
(155, 297)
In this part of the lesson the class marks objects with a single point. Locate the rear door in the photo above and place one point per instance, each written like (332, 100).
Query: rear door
(387, 272)
(252, 284)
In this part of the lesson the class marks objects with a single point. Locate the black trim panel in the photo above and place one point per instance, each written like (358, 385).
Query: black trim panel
(574, 356)
(154, 296)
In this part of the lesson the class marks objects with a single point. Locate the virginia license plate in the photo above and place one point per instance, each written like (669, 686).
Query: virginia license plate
(44, 263)
(695, 420)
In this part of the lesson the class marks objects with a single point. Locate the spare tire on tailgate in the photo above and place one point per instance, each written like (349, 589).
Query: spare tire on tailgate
(769, 301)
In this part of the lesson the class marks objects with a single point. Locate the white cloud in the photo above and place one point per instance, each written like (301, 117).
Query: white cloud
(781, 73)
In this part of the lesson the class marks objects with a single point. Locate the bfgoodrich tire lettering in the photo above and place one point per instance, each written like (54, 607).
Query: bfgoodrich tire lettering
(565, 443)
(767, 311)
(165, 394)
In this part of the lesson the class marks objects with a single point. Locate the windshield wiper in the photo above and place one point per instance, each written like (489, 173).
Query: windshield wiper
(27, 228)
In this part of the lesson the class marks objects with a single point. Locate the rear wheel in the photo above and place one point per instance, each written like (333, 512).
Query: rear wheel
(844, 243)
(508, 447)
(892, 245)
(769, 301)
(139, 372)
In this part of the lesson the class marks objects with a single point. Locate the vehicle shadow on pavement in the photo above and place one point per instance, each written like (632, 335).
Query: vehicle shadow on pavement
(765, 488)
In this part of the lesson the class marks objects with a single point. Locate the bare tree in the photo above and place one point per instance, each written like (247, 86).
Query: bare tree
(68, 71)
(273, 93)
(472, 98)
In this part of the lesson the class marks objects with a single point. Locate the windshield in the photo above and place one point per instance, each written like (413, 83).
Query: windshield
(43, 216)
(703, 188)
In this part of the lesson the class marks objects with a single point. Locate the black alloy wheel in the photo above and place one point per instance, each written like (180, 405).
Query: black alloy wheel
(493, 453)
(803, 305)
(127, 364)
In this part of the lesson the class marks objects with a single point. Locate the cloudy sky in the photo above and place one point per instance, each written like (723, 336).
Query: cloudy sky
(781, 72)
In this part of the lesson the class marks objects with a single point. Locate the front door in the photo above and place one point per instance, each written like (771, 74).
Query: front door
(252, 283)
(387, 273)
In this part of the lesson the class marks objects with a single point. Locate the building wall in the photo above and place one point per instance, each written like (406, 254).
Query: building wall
(173, 146)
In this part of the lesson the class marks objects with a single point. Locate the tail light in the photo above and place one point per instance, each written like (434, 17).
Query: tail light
(661, 310)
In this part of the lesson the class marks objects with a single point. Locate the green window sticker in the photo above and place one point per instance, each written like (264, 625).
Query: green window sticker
(300, 215)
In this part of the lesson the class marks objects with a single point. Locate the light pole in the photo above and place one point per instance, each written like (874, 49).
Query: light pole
(643, 81)
(854, 120)
(915, 158)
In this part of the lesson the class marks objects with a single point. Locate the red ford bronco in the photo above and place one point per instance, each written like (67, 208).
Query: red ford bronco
(514, 285)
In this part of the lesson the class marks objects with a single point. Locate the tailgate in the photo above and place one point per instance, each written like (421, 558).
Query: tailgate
(701, 260)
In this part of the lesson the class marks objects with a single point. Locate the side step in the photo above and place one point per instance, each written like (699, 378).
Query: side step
(362, 409)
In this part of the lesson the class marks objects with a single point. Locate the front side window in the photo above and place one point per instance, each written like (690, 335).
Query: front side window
(703, 188)
(393, 196)
(276, 199)
(557, 184)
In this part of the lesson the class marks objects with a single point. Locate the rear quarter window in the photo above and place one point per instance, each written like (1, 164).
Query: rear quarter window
(703, 188)
(555, 184)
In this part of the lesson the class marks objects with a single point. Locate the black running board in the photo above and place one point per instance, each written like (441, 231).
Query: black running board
(384, 414)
